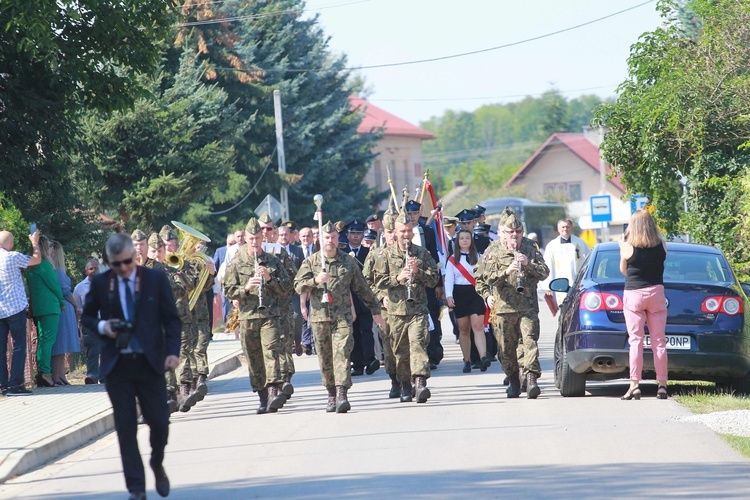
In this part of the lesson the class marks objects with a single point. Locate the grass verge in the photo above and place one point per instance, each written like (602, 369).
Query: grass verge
(705, 397)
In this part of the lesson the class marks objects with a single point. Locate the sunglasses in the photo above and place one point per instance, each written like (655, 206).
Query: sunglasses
(118, 263)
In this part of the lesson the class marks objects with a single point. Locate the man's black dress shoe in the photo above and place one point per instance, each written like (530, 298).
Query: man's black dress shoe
(162, 482)
(373, 366)
(356, 372)
(138, 495)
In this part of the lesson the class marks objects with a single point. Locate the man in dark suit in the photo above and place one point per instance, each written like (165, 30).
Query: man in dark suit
(134, 365)
(219, 256)
(363, 353)
(297, 254)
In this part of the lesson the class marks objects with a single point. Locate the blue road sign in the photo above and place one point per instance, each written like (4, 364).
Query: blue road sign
(601, 208)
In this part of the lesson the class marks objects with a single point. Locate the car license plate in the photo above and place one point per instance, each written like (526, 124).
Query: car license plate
(673, 342)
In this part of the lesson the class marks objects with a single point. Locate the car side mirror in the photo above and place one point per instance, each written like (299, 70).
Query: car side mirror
(559, 285)
(746, 288)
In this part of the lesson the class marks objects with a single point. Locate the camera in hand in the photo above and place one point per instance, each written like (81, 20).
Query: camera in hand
(123, 329)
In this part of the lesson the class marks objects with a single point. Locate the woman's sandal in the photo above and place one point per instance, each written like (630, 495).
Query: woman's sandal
(661, 392)
(633, 393)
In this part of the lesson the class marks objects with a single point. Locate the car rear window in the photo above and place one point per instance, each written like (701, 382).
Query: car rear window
(680, 266)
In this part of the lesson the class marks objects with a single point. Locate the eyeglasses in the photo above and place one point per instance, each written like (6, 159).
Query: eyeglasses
(118, 263)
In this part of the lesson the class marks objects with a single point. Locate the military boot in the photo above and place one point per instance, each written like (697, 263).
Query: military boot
(342, 403)
(331, 405)
(395, 388)
(522, 379)
(514, 389)
(172, 403)
(422, 391)
(533, 389)
(187, 398)
(406, 396)
(276, 398)
(202, 386)
(263, 406)
(287, 389)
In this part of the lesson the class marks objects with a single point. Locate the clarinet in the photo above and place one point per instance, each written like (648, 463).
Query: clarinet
(409, 282)
(261, 307)
(519, 274)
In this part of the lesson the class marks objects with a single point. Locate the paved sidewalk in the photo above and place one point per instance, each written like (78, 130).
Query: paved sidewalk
(35, 429)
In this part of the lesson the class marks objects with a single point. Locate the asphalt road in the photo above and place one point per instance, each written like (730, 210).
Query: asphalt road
(468, 439)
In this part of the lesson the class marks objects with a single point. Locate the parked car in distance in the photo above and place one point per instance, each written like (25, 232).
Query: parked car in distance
(707, 335)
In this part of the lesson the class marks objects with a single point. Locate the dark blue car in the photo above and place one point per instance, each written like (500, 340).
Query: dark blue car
(707, 335)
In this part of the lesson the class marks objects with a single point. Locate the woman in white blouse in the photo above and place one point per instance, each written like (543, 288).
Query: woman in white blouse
(462, 297)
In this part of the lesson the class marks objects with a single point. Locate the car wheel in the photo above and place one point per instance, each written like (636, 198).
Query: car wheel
(570, 383)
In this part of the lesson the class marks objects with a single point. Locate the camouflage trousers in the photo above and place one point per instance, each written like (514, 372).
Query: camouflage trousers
(388, 358)
(260, 344)
(171, 379)
(334, 342)
(200, 353)
(512, 329)
(409, 339)
(286, 339)
(188, 342)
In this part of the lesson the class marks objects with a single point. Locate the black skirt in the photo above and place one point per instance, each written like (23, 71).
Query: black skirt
(467, 301)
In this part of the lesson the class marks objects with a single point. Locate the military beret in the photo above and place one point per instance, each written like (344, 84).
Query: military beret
(355, 226)
(371, 235)
(466, 215)
(265, 218)
(290, 224)
(388, 220)
(169, 235)
(138, 235)
(372, 218)
(505, 213)
(329, 227)
(412, 206)
(512, 222)
(343, 240)
(479, 209)
(450, 221)
(402, 218)
(252, 226)
(164, 231)
(155, 241)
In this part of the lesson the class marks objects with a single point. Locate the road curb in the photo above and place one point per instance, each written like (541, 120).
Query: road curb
(43, 451)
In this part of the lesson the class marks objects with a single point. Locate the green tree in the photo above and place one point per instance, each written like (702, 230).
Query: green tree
(682, 114)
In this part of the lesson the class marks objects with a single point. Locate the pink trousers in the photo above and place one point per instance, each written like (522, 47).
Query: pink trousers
(646, 306)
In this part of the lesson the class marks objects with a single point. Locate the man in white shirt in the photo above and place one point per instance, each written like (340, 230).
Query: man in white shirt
(564, 256)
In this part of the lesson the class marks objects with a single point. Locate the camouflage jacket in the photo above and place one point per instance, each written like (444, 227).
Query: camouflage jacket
(387, 268)
(291, 270)
(344, 276)
(492, 280)
(368, 270)
(182, 282)
(276, 290)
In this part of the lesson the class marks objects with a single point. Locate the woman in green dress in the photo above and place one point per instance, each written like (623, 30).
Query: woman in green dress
(46, 300)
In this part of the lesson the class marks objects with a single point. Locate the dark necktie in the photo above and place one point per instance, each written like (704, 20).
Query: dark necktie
(134, 345)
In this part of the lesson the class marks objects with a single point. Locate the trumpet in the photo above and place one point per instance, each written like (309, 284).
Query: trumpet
(519, 274)
(409, 280)
(261, 307)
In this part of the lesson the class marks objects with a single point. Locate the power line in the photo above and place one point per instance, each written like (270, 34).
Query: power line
(251, 190)
(440, 58)
(510, 96)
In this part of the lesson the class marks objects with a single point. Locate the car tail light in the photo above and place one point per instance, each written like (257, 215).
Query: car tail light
(595, 301)
(726, 305)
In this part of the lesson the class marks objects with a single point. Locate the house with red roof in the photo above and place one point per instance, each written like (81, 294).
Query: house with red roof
(567, 168)
(400, 149)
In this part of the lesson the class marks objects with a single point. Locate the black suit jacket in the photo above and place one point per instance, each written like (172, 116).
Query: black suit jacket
(360, 306)
(157, 322)
(297, 254)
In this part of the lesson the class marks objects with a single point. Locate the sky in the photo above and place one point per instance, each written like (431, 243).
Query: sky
(590, 59)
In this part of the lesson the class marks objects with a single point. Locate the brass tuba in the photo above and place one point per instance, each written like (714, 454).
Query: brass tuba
(189, 240)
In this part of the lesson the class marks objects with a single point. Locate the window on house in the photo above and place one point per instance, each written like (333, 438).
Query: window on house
(568, 191)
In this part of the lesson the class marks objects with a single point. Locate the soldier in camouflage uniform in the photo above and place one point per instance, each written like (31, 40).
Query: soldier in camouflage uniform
(377, 253)
(141, 247)
(286, 313)
(408, 319)
(259, 326)
(332, 321)
(506, 264)
(203, 331)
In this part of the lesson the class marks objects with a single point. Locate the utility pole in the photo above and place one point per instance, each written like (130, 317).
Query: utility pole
(280, 152)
